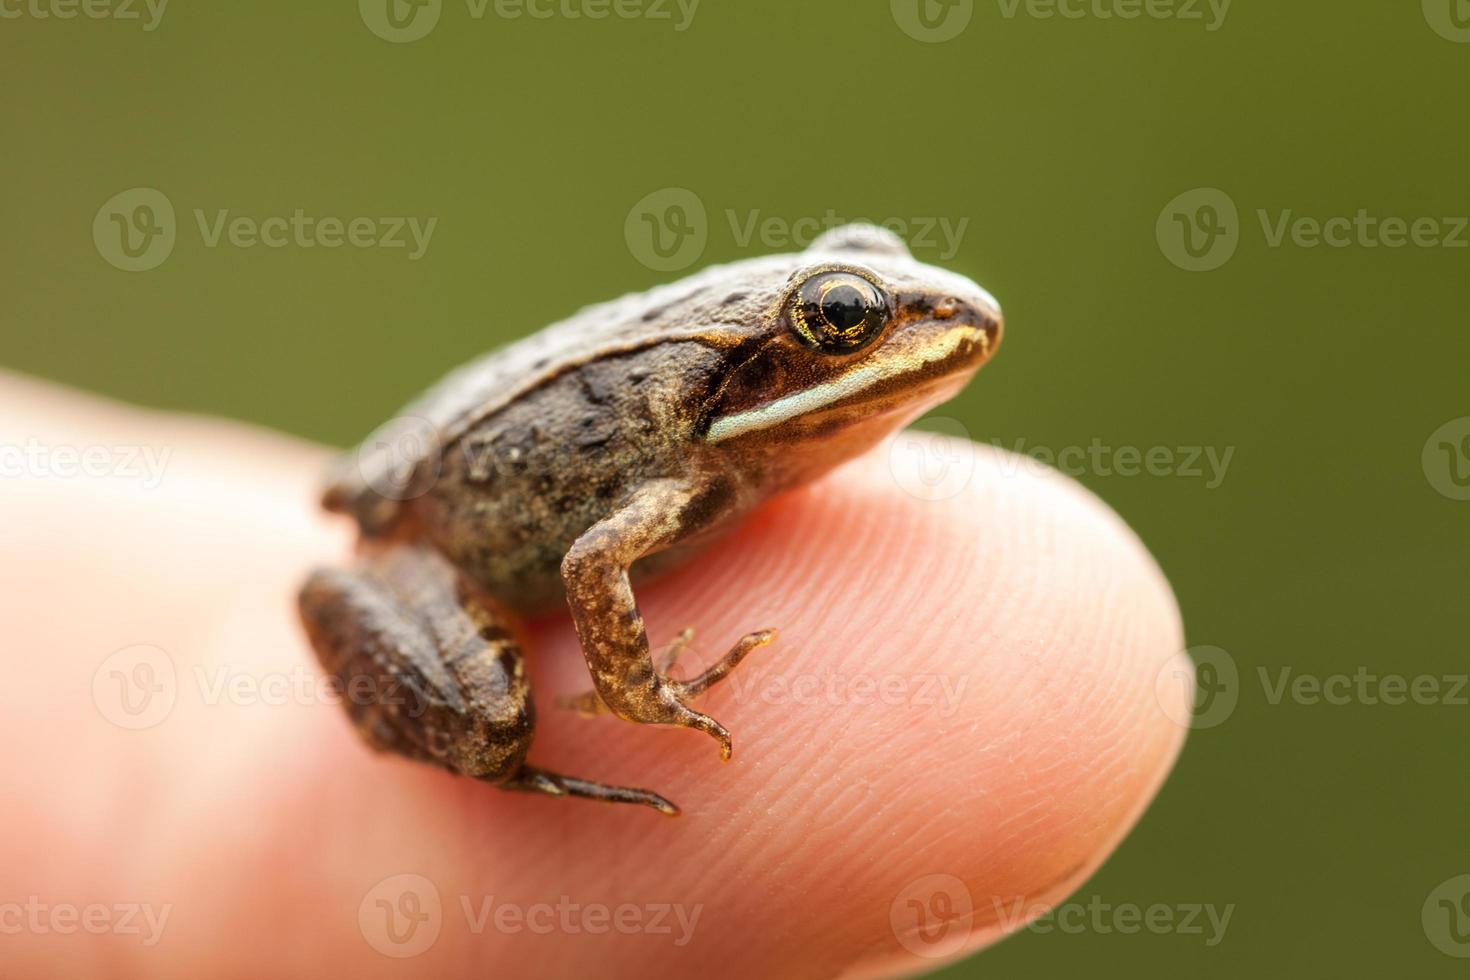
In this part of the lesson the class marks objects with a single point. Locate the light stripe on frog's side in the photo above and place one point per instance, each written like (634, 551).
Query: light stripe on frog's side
(863, 376)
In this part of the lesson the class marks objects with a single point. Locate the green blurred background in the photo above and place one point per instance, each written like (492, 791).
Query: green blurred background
(1326, 548)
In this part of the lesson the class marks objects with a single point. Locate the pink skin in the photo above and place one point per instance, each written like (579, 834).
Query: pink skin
(266, 825)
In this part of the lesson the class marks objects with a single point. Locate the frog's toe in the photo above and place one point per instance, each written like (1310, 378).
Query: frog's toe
(532, 780)
(689, 718)
(722, 668)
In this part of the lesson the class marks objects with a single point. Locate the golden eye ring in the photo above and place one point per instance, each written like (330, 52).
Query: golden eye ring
(839, 312)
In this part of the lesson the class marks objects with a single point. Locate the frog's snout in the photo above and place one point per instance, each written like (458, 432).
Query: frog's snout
(985, 315)
(978, 311)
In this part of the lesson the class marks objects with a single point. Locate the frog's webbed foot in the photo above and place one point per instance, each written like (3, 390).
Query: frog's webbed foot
(610, 627)
(430, 671)
(671, 697)
(589, 704)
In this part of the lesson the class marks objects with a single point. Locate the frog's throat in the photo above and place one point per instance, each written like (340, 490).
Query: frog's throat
(841, 388)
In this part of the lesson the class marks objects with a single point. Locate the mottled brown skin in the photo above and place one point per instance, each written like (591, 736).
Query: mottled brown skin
(612, 444)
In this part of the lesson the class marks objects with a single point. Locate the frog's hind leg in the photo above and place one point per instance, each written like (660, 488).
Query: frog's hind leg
(427, 668)
(595, 572)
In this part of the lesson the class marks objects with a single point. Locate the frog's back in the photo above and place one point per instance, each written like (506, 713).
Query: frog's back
(399, 459)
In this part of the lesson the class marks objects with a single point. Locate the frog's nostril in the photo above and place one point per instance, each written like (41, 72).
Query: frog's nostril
(946, 308)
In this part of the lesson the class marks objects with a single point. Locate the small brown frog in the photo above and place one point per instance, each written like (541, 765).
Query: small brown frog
(614, 443)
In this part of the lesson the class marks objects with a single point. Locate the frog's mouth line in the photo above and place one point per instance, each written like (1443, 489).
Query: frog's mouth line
(846, 386)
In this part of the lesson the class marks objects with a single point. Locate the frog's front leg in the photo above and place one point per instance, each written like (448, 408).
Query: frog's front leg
(609, 626)
(428, 669)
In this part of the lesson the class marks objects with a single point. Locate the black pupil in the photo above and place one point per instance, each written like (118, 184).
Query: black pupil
(844, 307)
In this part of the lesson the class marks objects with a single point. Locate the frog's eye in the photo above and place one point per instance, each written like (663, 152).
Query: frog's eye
(838, 312)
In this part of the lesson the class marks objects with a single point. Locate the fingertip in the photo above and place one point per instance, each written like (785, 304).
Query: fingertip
(980, 701)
